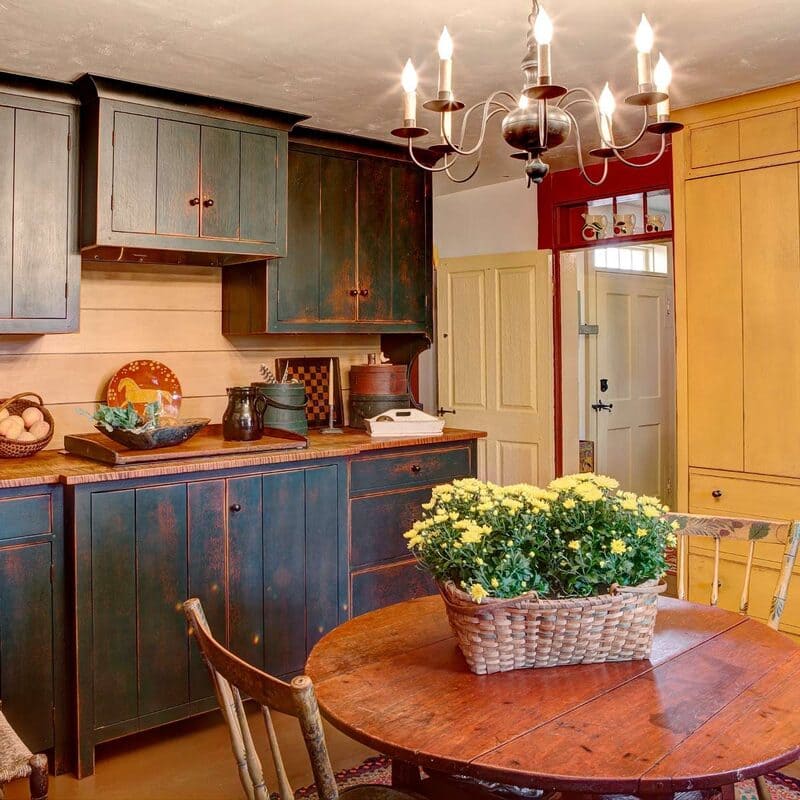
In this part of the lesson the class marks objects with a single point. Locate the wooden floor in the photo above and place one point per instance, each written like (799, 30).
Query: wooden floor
(191, 760)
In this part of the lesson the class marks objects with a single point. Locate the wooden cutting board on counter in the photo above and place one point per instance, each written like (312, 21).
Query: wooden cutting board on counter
(208, 442)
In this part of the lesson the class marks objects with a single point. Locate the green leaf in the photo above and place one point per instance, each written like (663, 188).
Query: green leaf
(758, 530)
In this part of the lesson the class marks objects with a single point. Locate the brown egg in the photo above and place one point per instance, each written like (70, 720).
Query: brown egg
(12, 427)
(4, 414)
(26, 436)
(40, 429)
(30, 416)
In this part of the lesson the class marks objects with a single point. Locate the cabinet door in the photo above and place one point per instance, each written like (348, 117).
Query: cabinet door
(246, 570)
(771, 296)
(385, 585)
(41, 214)
(714, 322)
(375, 239)
(206, 547)
(26, 642)
(6, 208)
(220, 183)
(258, 191)
(133, 200)
(409, 271)
(178, 186)
(161, 588)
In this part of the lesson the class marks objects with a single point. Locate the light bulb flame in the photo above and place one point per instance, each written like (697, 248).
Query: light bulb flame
(644, 36)
(662, 74)
(445, 44)
(607, 102)
(409, 77)
(543, 27)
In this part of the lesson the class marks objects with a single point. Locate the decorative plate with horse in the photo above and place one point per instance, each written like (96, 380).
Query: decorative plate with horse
(142, 382)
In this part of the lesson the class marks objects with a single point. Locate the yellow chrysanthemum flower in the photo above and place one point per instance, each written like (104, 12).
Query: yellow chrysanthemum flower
(618, 547)
(569, 504)
(641, 532)
(495, 583)
(574, 545)
(477, 592)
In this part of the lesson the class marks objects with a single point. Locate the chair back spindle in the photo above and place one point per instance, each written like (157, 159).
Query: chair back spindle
(751, 531)
(233, 678)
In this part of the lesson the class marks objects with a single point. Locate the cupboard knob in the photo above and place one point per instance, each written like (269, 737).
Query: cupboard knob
(236, 508)
(208, 203)
(195, 201)
(717, 493)
(364, 292)
(353, 292)
(416, 468)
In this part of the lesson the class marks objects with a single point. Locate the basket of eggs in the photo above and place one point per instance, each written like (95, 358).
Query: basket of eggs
(26, 426)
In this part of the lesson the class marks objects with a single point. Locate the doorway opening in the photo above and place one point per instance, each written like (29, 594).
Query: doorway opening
(618, 364)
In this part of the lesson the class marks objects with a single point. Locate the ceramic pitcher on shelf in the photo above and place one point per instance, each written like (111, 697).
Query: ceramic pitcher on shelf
(241, 421)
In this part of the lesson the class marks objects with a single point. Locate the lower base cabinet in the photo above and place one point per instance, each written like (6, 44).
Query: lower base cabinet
(261, 553)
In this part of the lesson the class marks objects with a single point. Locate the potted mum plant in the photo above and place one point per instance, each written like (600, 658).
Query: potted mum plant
(545, 576)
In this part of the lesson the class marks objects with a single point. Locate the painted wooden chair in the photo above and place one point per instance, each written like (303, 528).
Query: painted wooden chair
(234, 679)
(17, 762)
(752, 531)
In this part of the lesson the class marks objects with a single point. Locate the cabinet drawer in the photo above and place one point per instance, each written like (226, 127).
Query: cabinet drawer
(378, 522)
(768, 134)
(25, 516)
(408, 469)
(715, 144)
(384, 586)
(743, 497)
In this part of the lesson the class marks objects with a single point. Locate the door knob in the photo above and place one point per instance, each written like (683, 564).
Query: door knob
(235, 508)
(195, 201)
(442, 411)
(353, 292)
(364, 292)
(717, 493)
(415, 468)
(601, 406)
(208, 203)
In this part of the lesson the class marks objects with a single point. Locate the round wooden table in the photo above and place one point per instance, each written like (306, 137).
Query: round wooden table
(718, 702)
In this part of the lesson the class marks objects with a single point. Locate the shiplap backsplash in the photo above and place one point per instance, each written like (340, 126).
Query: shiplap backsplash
(169, 314)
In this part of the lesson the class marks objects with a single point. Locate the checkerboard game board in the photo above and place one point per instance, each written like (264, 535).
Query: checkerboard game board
(313, 372)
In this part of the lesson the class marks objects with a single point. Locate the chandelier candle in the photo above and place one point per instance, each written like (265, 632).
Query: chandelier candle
(644, 45)
(543, 33)
(662, 75)
(445, 65)
(409, 81)
(607, 105)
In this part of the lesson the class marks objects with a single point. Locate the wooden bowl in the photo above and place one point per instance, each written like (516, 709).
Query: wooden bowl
(167, 436)
(11, 448)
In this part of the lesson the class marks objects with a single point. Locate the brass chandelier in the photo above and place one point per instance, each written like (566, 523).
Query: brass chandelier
(542, 117)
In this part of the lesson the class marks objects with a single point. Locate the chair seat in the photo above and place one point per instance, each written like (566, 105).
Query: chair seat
(14, 756)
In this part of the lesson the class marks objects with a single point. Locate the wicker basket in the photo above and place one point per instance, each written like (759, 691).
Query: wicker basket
(499, 635)
(10, 448)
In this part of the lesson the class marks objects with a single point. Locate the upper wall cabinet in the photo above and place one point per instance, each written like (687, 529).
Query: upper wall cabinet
(358, 249)
(39, 257)
(166, 172)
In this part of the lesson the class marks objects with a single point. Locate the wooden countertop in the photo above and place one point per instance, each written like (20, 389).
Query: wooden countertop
(56, 466)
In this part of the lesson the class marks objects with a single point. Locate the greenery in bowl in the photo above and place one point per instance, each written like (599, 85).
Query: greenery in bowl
(127, 418)
(576, 538)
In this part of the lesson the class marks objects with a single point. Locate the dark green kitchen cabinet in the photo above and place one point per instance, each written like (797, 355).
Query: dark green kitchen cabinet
(165, 171)
(260, 550)
(358, 251)
(32, 638)
(39, 257)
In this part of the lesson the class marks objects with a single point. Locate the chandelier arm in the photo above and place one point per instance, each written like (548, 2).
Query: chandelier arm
(635, 140)
(487, 115)
(581, 165)
(645, 163)
(443, 168)
(465, 179)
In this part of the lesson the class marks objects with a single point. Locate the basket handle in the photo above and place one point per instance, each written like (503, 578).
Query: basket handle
(19, 396)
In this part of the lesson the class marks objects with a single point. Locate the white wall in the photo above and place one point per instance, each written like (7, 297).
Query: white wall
(498, 218)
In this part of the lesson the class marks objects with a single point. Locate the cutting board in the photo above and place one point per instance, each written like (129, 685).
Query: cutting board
(208, 442)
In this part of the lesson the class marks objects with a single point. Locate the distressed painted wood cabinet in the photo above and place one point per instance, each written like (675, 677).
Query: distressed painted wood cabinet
(167, 171)
(33, 689)
(358, 256)
(39, 257)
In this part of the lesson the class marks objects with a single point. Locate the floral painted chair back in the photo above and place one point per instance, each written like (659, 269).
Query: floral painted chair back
(752, 531)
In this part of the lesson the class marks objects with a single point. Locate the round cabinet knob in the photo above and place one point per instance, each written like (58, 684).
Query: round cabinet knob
(235, 508)
(208, 203)
(353, 292)
(717, 493)
(195, 201)
(364, 292)
(415, 468)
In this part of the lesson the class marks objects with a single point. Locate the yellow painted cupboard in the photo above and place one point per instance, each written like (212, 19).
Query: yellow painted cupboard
(737, 283)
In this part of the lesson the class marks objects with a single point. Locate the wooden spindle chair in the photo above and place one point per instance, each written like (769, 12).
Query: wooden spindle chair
(234, 679)
(751, 531)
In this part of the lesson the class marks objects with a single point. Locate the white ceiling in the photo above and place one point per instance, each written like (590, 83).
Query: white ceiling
(340, 60)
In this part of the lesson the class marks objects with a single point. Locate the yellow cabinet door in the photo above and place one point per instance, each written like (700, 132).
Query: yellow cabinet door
(771, 338)
(714, 322)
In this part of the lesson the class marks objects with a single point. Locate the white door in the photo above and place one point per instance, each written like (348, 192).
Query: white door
(634, 394)
(495, 360)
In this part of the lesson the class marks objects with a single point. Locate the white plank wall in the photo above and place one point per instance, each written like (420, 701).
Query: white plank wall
(170, 314)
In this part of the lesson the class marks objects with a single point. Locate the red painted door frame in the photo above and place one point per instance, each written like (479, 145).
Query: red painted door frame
(568, 188)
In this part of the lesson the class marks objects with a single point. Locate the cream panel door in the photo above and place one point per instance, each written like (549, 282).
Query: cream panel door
(496, 359)
(636, 356)
(770, 301)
